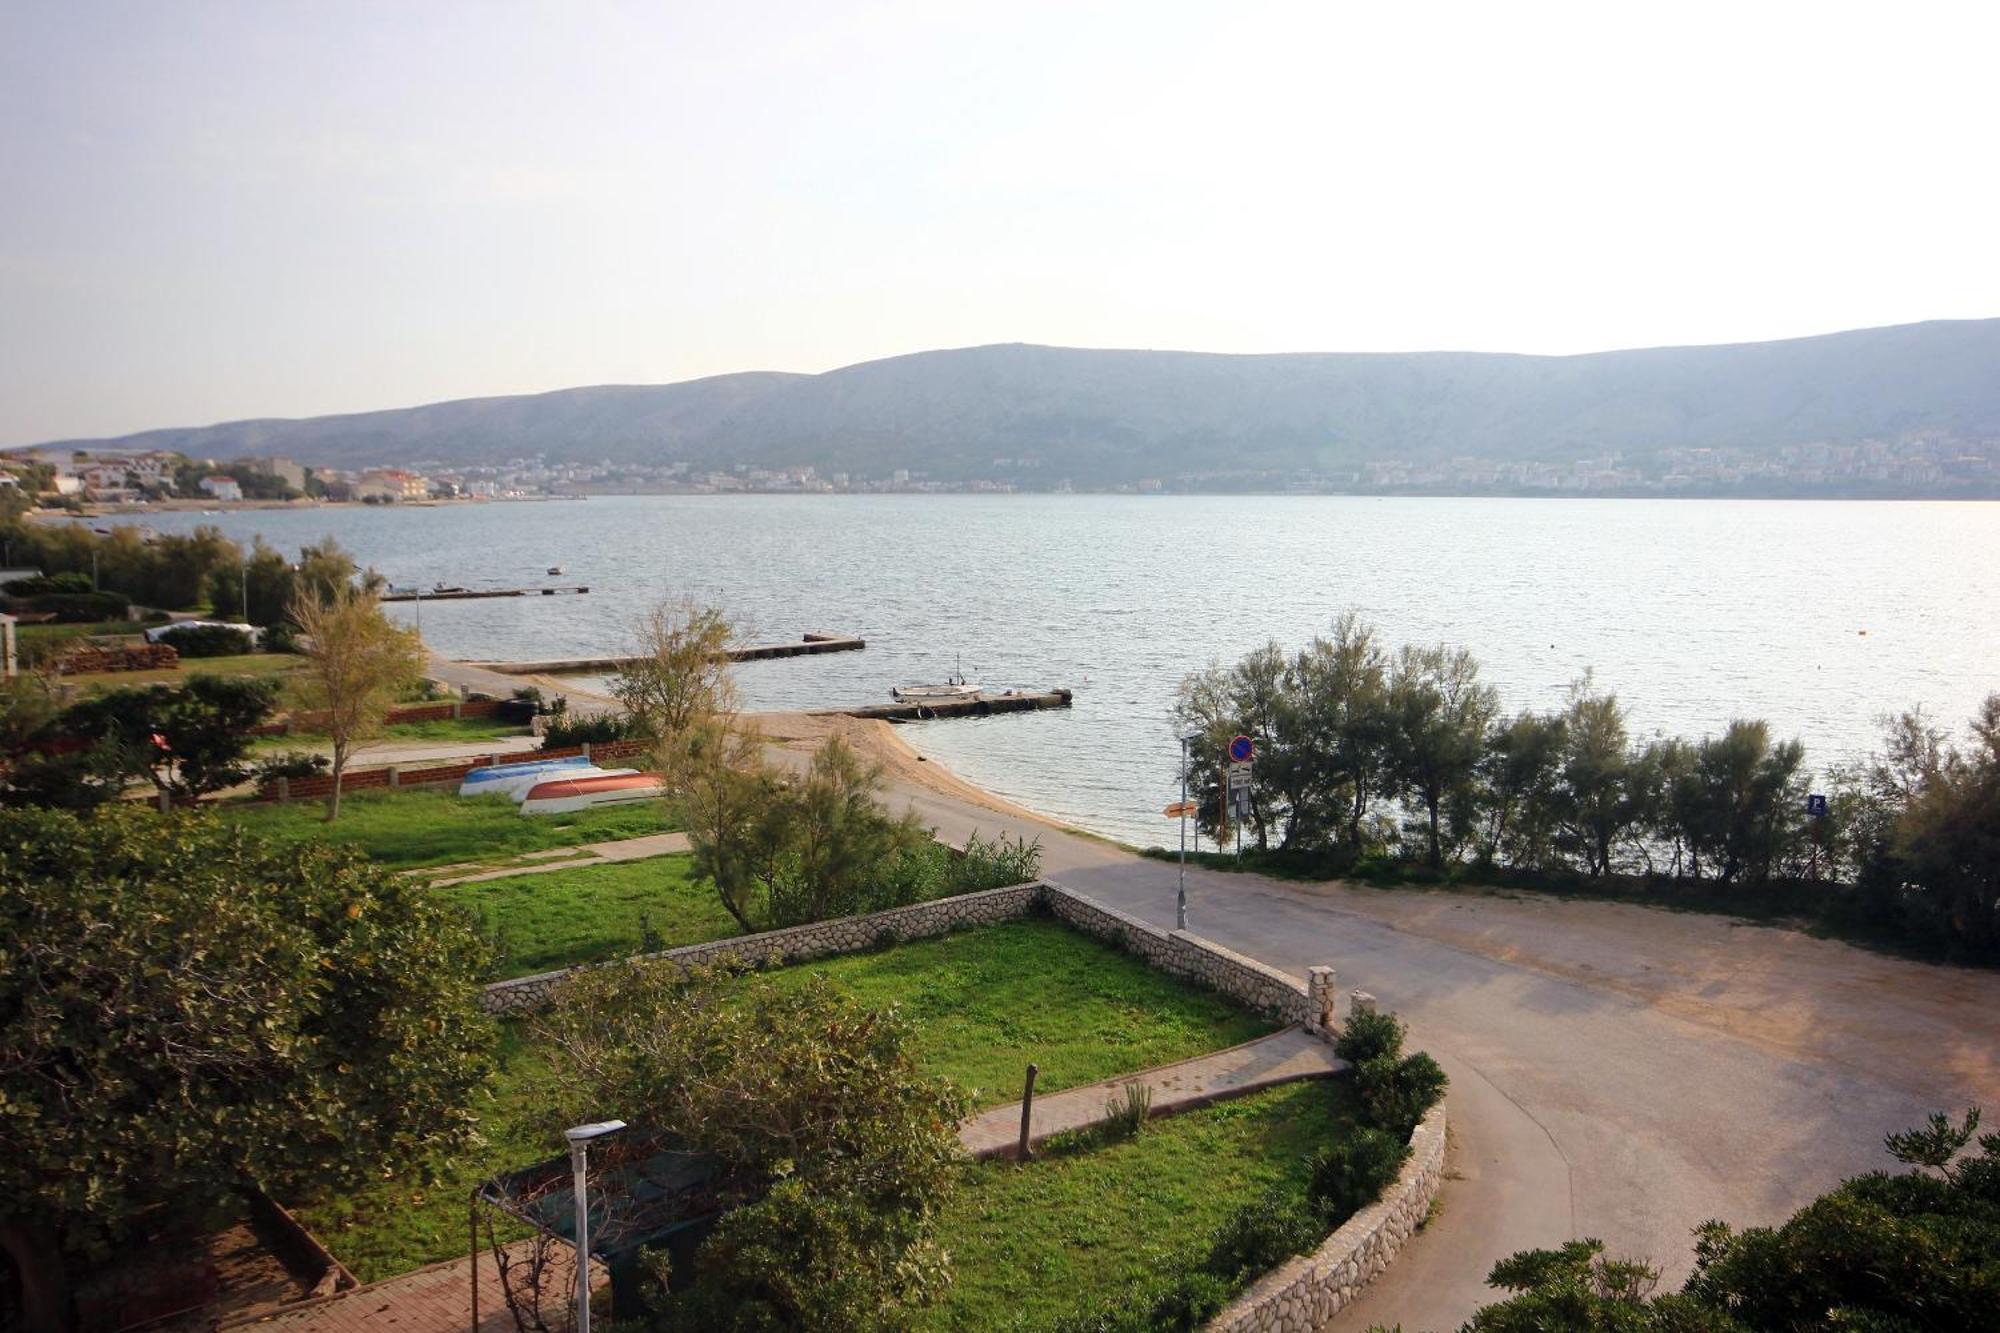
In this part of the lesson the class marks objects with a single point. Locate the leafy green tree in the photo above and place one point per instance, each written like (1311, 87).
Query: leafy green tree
(1944, 848)
(358, 663)
(1599, 803)
(1439, 713)
(836, 1151)
(681, 674)
(188, 740)
(828, 838)
(185, 1010)
(1745, 802)
(1522, 773)
(1342, 725)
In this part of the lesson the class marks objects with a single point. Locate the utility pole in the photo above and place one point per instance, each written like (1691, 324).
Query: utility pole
(1180, 898)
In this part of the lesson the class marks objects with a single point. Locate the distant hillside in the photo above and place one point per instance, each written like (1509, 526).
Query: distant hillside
(1108, 417)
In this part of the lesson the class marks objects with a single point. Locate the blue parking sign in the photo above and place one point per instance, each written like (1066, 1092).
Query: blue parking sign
(1816, 806)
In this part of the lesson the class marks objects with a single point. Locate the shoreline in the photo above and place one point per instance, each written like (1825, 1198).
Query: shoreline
(797, 734)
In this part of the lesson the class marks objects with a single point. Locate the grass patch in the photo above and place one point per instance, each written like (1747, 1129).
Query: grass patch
(398, 1225)
(246, 664)
(434, 827)
(1032, 1243)
(986, 1002)
(443, 730)
(594, 912)
(454, 729)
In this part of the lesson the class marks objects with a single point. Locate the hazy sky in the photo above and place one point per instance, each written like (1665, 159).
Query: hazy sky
(211, 211)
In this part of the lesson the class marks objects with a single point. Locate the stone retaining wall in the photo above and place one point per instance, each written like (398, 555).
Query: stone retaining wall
(819, 939)
(1178, 952)
(1307, 1291)
(1185, 954)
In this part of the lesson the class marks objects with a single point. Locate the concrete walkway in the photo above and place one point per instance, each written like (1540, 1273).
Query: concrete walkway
(1285, 1056)
(588, 854)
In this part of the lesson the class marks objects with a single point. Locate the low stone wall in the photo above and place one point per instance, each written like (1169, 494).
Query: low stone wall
(818, 939)
(1306, 1292)
(1186, 954)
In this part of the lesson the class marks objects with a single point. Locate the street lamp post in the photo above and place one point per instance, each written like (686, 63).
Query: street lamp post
(579, 1165)
(1180, 898)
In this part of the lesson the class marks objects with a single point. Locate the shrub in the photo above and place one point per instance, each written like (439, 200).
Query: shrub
(209, 640)
(292, 764)
(82, 608)
(68, 582)
(1126, 1109)
(1396, 1094)
(565, 732)
(282, 637)
(1367, 1034)
(1261, 1235)
(1352, 1174)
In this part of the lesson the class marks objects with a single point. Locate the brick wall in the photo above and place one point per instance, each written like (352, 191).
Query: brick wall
(357, 779)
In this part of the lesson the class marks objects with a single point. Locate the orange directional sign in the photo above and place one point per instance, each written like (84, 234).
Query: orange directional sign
(1179, 808)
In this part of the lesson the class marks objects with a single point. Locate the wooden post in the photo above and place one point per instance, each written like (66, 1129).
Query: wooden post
(472, 1221)
(1028, 1111)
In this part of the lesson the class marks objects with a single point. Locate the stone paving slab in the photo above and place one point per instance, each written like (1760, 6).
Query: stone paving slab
(588, 854)
(437, 1299)
(1285, 1056)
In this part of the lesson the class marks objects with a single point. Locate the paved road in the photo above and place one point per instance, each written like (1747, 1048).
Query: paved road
(1616, 1071)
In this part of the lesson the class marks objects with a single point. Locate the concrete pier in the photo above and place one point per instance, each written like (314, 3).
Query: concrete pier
(979, 705)
(804, 646)
(470, 594)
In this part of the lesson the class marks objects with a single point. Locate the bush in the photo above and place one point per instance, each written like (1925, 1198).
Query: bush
(282, 637)
(1396, 1091)
(1125, 1110)
(1396, 1094)
(1262, 1235)
(209, 641)
(292, 764)
(40, 585)
(1368, 1034)
(1352, 1174)
(81, 608)
(565, 732)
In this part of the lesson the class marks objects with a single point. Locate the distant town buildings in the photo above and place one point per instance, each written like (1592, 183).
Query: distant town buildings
(1915, 465)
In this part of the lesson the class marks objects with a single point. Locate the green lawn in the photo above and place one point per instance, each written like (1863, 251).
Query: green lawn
(247, 664)
(452, 730)
(1032, 1243)
(420, 1218)
(565, 917)
(985, 1003)
(434, 827)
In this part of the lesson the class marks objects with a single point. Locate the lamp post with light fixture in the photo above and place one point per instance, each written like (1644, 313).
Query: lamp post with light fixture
(580, 1138)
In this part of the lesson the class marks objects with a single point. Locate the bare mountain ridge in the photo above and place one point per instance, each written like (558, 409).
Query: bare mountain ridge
(1108, 416)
